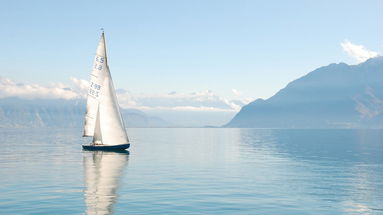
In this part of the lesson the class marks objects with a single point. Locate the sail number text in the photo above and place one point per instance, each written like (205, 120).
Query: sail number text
(98, 64)
(94, 89)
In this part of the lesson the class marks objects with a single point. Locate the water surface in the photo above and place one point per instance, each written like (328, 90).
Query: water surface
(194, 171)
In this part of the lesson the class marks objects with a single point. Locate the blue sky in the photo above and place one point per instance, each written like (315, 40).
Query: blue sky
(157, 47)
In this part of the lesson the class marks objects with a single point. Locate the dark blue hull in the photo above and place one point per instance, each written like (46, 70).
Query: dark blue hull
(105, 147)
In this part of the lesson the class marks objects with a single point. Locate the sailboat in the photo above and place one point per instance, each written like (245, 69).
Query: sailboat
(103, 120)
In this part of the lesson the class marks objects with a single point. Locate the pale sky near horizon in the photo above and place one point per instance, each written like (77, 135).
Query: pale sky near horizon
(253, 47)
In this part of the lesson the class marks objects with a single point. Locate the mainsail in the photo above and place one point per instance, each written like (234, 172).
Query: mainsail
(103, 119)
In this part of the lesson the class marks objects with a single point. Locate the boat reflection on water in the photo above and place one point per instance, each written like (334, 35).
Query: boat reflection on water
(102, 174)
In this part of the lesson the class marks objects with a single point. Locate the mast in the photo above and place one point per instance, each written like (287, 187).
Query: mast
(103, 38)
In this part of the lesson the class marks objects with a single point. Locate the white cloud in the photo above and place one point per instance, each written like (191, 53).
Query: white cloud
(195, 101)
(9, 88)
(240, 99)
(358, 52)
(80, 86)
(236, 92)
(205, 101)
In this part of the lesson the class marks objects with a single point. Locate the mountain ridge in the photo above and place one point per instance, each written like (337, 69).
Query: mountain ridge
(332, 96)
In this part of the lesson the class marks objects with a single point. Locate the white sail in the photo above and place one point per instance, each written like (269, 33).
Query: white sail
(111, 123)
(103, 119)
(95, 86)
(102, 172)
(97, 138)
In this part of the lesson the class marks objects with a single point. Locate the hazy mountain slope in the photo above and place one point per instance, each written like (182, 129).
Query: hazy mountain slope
(337, 95)
(16, 112)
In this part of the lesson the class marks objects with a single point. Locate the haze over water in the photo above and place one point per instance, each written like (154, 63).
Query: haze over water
(194, 171)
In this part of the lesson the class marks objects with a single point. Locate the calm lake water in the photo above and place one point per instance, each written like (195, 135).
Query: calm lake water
(194, 171)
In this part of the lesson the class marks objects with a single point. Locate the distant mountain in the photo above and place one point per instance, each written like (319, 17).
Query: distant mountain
(34, 113)
(333, 96)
